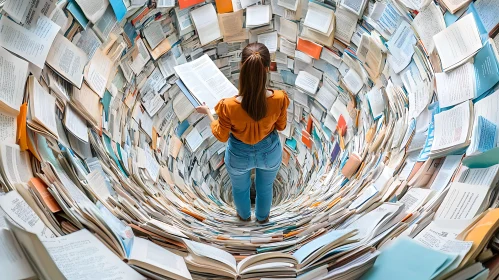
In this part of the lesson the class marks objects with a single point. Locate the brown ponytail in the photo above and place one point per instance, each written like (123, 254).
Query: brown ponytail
(253, 80)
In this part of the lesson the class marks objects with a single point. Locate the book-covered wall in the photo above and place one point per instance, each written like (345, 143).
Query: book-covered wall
(390, 157)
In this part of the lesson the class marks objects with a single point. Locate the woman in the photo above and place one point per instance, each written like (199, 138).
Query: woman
(248, 122)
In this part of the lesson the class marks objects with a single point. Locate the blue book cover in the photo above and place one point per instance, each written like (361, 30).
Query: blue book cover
(486, 69)
(187, 93)
(78, 14)
(119, 8)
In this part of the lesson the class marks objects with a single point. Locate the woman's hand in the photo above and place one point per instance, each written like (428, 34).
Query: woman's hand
(203, 109)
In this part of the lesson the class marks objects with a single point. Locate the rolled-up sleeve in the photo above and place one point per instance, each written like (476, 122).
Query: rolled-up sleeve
(283, 116)
(221, 127)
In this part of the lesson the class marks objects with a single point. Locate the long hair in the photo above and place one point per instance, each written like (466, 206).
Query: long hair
(255, 60)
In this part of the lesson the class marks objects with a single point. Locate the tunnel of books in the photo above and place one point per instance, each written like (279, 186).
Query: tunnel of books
(390, 159)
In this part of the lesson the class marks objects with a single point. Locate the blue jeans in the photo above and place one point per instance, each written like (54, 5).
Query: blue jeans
(240, 159)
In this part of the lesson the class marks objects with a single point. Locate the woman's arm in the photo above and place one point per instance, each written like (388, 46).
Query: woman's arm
(221, 127)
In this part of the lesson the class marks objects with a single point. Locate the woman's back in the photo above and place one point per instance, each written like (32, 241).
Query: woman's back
(233, 118)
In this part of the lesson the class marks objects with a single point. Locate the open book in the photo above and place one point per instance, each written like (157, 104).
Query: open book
(205, 81)
(52, 258)
(207, 259)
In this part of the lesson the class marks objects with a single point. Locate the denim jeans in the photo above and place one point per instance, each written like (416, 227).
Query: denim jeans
(240, 158)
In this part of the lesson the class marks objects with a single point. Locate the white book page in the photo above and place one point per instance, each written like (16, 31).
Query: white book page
(13, 73)
(376, 102)
(257, 15)
(326, 97)
(67, 59)
(8, 127)
(269, 40)
(414, 198)
(205, 81)
(451, 127)
(13, 262)
(288, 4)
(76, 124)
(211, 252)
(445, 172)
(456, 86)
(458, 42)
(42, 106)
(206, 22)
(27, 12)
(463, 201)
(21, 213)
(33, 44)
(346, 22)
(307, 82)
(356, 6)
(154, 34)
(97, 72)
(318, 17)
(428, 23)
(94, 258)
(401, 47)
(353, 81)
(288, 29)
(147, 252)
(93, 9)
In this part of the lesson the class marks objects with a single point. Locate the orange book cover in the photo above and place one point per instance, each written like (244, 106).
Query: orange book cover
(188, 3)
(40, 187)
(224, 6)
(140, 16)
(309, 47)
(306, 139)
(309, 125)
(341, 126)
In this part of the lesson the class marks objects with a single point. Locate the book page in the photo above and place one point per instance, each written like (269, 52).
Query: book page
(13, 73)
(32, 45)
(458, 42)
(428, 23)
(487, 11)
(376, 102)
(463, 201)
(13, 262)
(42, 107)
(21, 213)
(211, 252)
(318, 17)
(94, 258)
(288, 4)
(269, 40)
(288, 29)
(8, 127)
(205, 81)
(451, 127)
(257, 15)
(154, 34)
(206, 22)
(87, 41)
(353, 81)
(346, 23)
(27, 12)
(93, 9)
(147, 252)
(67, 59)
(307, 82)
(456, 86)
(355, 6)
(76, 124)
(97, 71)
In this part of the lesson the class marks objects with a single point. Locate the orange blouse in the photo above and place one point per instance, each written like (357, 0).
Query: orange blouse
(233, 118)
